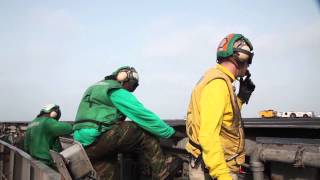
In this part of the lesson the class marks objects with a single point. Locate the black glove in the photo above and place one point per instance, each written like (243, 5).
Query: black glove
(177, 136)
(246, 89)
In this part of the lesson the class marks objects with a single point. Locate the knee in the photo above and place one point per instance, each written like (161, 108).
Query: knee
(131, 128)
(136, 131)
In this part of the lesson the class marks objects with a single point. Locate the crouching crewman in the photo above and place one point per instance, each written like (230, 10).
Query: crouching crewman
(43, 134)
(101, 129)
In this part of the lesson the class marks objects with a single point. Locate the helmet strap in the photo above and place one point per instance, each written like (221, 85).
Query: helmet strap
(250, 54)
(235, 60)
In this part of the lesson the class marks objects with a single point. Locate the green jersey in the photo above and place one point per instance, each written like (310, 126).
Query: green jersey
(42, 135)
(129, 106)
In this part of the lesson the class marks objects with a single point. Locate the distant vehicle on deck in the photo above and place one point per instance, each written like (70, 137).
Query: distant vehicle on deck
(296, 114)
(268, 113)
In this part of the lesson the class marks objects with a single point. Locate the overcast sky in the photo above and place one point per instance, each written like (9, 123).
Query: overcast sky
(51, 51)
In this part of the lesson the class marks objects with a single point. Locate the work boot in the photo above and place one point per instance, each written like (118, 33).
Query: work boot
(173, 165)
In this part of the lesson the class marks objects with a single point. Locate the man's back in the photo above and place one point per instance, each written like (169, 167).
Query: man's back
(42, 135)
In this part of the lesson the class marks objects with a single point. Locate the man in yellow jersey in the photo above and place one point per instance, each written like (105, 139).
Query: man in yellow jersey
(214, 125)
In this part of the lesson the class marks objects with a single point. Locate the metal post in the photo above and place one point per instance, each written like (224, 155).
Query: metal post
(2, 174)
(11, 165)
(25, 169)
(257, 166)
(1, 157)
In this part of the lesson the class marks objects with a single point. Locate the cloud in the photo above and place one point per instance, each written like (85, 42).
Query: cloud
(50, 34)
(55, 20)
(176, 44)
(176, 39)
(288, 39)
(42, 43)
(171, 37)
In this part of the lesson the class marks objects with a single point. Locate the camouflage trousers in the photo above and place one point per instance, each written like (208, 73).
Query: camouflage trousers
(126, 137)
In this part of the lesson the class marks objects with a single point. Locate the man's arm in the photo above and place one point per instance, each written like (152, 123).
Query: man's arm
(129, 105)
(57, 128)
(212, 106)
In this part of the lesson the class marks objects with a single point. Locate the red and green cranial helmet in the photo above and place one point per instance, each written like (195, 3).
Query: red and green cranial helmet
(235, 45)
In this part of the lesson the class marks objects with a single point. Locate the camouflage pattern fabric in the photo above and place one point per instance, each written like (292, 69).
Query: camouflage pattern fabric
(126, 137)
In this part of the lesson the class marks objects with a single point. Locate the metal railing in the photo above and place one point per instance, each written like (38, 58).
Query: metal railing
(16, 164)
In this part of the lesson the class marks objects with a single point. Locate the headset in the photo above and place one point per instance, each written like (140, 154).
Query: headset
(126, 74)
(52, 110)
(242, 51)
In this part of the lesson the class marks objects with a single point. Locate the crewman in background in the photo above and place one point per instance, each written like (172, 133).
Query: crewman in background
(43, 134)
(101, 129)
(214, 125)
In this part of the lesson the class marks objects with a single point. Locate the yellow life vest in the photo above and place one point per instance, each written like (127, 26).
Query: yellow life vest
(231, 137)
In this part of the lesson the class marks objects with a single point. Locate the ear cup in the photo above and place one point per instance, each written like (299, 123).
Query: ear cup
(242, 56)
(134, 75)
(53, 114)
(122, 76)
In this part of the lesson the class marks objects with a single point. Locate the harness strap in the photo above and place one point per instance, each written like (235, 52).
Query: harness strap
(96, 122)
(195, 145)
(199, 159)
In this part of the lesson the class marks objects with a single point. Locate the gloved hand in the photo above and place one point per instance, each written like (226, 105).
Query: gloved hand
(246, 89)
(177, 136)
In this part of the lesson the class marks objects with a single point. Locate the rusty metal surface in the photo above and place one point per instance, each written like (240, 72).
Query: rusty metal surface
(60, 164)
(16, 164)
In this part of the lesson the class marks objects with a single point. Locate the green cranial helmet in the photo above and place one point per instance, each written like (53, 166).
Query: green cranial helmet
(49, 108)
(235, 45)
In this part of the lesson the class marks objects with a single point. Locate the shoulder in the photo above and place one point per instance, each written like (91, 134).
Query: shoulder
(216, 88)
(218, 83)
(120, 93)
(110, 83)
(50, 121)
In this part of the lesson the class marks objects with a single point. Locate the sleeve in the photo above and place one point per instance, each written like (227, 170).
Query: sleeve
(129, 105)
(57, 128)
(213, 102)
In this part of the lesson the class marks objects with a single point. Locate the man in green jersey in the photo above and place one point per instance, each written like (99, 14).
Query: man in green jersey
(101, 129)
(43, 134)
